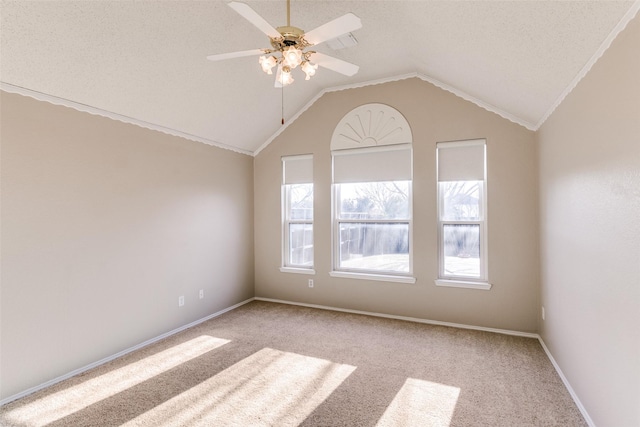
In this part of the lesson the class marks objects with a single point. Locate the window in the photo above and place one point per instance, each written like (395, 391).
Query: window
(462, 212)
(297, 208)
(372, 211)
(373, 223)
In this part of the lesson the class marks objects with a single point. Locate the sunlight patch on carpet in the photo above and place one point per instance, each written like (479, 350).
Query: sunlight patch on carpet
(421, 403)
(70, 400)
(268, 388)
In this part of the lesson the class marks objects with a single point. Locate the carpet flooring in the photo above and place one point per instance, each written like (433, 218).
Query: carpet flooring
(267, 364)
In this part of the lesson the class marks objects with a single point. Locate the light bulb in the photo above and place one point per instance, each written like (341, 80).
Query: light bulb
(292, 57)
(267, 63)
(285, 76)
(309, 69)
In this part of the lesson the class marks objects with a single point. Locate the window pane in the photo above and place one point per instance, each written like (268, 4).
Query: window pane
(374, 200)
(377, 247)
(301, 201)
(301, 244)
(461, 250)
(461, 200)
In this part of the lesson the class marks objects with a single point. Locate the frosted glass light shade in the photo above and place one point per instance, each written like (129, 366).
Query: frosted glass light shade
(267, 63)
(309, 69)
(285, 77)
(292, 57)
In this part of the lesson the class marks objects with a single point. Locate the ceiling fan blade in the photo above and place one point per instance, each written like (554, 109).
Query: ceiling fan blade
(334, 64)
(239, 54)
(253, 17)
(331, 30)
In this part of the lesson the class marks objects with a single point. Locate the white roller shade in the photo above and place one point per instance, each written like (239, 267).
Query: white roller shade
(297, 169)
(461, 161)
(388, 163)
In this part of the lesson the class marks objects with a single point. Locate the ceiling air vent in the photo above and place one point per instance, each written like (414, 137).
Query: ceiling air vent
(342, 42)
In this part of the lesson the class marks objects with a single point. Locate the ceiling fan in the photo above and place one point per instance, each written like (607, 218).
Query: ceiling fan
(289, 44)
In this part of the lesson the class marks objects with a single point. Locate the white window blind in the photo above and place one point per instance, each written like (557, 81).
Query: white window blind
(297, 169)
(376, 164)
(461, 161)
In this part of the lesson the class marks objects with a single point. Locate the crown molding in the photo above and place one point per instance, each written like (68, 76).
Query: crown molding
(320, 94)
(40, 96)
(631, 13)
(400, 77)
(491, 108)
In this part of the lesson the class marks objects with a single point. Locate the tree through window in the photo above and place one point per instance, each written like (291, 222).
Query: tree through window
(373, 222)
(372, 199)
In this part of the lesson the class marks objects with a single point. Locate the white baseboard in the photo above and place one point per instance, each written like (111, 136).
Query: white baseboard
(119, 354)
(564, 379)
(574, 396)
(409, 319)
(566, 383)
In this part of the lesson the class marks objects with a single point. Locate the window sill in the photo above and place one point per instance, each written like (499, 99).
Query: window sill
(369, 276)
(463, 284)
(297, 270)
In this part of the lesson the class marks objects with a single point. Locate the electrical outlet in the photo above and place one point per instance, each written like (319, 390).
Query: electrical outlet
(543, 314)
(201, 293)
(311, 283)
(180, 300)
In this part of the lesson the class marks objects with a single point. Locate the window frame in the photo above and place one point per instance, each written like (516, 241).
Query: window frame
(286, 222)
(356, 273)
(451, 280)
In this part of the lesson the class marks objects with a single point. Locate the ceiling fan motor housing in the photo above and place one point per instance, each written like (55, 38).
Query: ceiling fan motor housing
(291, 36)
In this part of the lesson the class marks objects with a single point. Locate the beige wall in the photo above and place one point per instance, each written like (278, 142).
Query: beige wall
(590, 234)
(104, 225)
(434, 115)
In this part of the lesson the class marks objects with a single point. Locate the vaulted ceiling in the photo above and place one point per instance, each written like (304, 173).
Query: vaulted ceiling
(144, 61)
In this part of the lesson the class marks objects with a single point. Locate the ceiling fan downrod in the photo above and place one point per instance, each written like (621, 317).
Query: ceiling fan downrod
(288, 13)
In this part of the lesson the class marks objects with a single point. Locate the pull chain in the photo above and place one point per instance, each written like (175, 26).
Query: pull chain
(282, 91)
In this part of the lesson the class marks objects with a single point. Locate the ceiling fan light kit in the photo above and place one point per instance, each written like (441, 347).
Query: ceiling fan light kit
(267, 63)
(289, 44)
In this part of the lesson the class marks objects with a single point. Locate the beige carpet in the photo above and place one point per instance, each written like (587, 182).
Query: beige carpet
(267, 364)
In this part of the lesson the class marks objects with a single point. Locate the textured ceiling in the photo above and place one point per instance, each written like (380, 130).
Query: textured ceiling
(146, 60)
